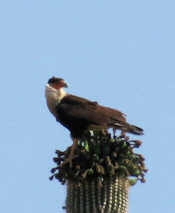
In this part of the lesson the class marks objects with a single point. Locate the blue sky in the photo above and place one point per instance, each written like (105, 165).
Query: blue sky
(119, 53)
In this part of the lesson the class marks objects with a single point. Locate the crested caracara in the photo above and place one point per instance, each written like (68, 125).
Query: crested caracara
(80, 115)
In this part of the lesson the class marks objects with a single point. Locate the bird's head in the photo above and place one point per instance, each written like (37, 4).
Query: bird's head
(57, 83)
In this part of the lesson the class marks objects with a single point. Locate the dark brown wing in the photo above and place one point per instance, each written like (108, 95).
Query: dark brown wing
(75, 100)
(78, 114)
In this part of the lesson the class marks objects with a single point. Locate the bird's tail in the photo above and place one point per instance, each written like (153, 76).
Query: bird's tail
(126, 127)
(135, 129)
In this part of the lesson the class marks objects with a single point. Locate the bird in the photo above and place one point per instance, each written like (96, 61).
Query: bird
(80, 115)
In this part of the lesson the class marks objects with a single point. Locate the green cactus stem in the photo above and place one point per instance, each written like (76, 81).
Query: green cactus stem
(103, 169)
(111, 197)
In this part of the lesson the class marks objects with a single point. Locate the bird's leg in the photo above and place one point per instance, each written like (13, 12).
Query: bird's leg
(71, 155)
(67, 150)
(123, 134)
(114, 131)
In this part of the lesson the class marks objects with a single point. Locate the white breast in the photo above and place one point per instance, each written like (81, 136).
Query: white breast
(53, 97)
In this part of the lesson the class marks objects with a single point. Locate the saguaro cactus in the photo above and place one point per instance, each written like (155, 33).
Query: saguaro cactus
(101, 172)
(88, 197)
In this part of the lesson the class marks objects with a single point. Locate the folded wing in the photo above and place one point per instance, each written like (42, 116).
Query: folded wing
(78, 114)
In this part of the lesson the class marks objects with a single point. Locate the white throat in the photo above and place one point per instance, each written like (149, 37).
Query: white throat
(53, 97)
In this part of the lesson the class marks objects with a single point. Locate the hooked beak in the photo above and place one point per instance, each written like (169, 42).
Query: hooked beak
(65, 85)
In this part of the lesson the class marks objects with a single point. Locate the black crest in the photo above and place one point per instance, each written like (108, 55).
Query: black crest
(54, 80)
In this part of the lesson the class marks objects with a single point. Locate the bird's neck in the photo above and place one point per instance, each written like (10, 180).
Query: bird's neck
(53, 97)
